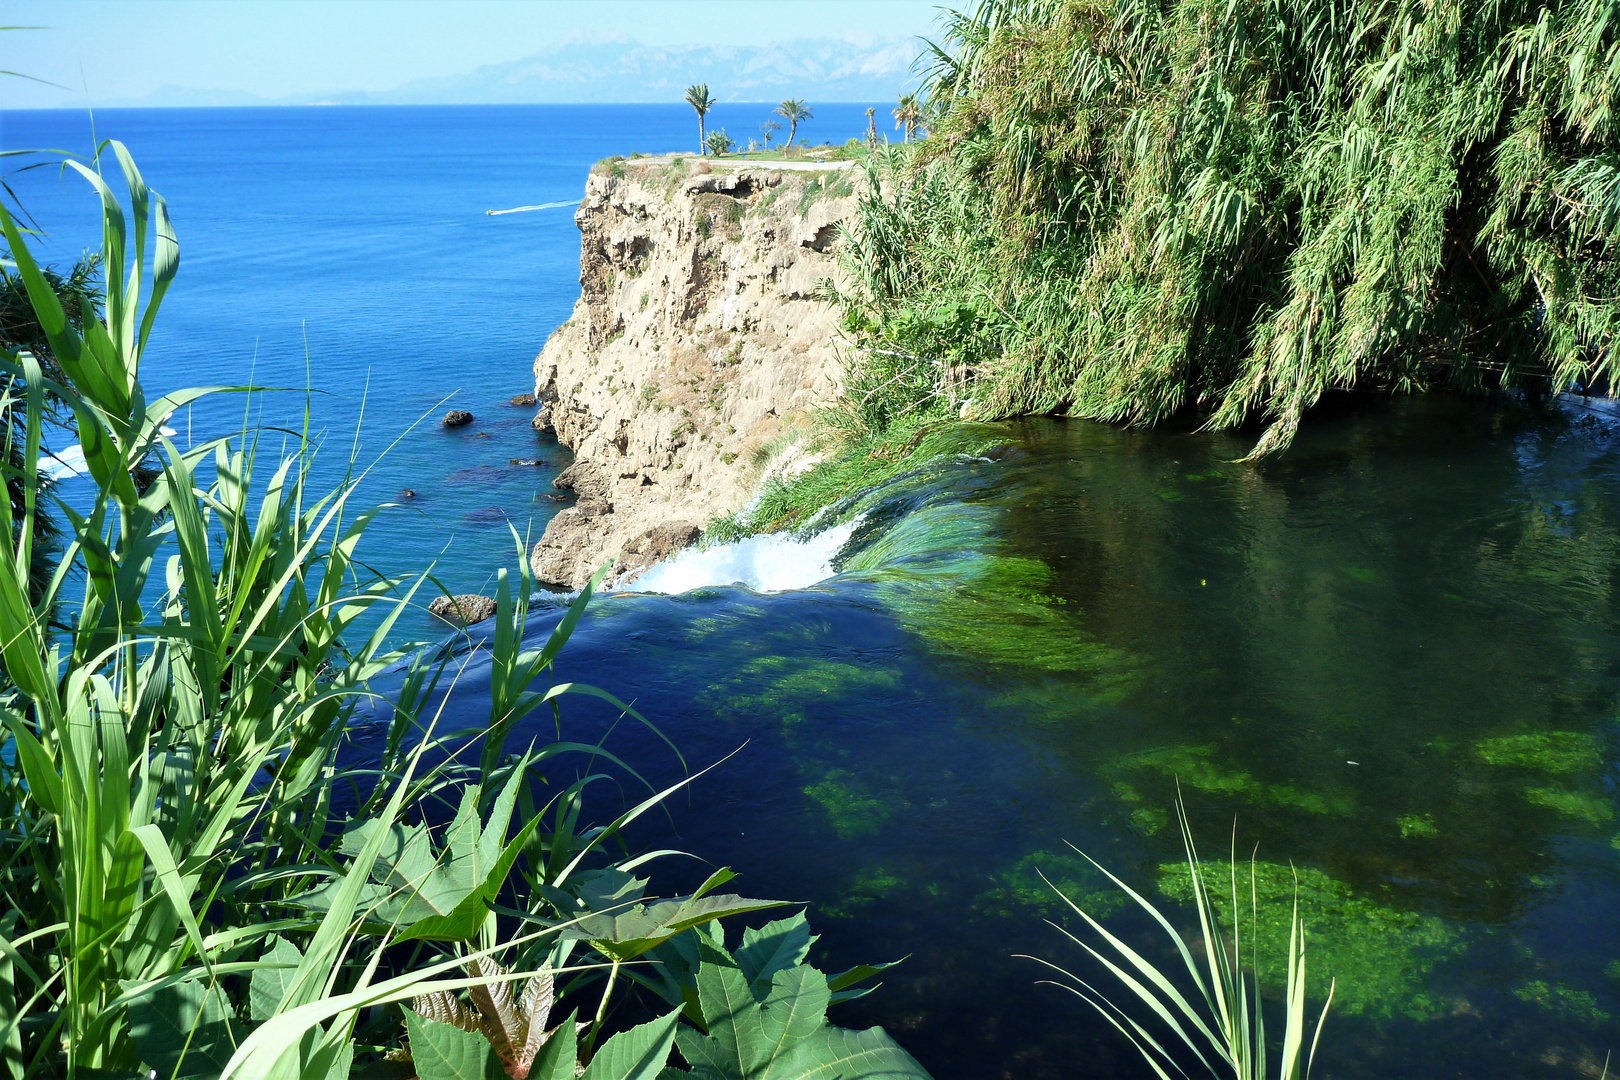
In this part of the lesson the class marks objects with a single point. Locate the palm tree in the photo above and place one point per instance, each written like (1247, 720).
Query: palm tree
(769, 129)
(792, 110)
(698, 97)
(908, 114)
(871, 127)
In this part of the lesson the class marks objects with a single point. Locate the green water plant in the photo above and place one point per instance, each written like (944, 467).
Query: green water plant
(1222, 1022)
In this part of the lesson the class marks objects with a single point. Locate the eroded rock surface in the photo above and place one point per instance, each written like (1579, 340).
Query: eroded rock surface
(463, 610)
(697, 341)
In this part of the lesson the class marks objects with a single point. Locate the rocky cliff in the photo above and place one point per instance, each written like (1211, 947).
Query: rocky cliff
(696, 344)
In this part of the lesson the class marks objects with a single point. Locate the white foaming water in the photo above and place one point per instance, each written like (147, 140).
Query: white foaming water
(774, 562)
(70, 462)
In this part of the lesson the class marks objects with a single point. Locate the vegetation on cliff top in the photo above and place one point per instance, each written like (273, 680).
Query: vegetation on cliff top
(1132, 209)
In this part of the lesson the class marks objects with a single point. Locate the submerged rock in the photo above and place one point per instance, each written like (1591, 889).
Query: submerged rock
(457, 418)
(528, 461)
(462, 610)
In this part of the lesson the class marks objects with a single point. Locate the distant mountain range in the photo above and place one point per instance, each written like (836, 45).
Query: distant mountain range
(611, 69)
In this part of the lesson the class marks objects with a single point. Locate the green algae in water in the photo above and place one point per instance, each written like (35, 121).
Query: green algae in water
(1417, 825)
(942, 575)
(852, 812)
(1381, 958)
(1196, 767)
(868, 888)
(1021, 892)
(788, 686)
(1563, 1001)
(1592, 809)
(1568, 755)
(1150, 820)
(1560, 753)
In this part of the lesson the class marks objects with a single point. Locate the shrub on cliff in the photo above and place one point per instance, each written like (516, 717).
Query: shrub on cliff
(1132, 209)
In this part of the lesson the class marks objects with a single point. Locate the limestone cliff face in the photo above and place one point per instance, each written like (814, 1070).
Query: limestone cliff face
(696, 342)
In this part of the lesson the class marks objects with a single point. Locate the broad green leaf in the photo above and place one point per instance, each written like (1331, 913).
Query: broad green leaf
(269, 983)
(795, 1009)
(445, 1052)
(734, 1020)
(558, 1056)
(185, 1026)
(774, 947)
(746, 1037)
(633, 932)
(637, 1054)
(465, 920)
(834, 1053)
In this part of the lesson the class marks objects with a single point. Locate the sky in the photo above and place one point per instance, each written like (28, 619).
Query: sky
(101, 51)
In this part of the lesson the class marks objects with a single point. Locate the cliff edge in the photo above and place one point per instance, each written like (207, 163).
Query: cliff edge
(696, 342)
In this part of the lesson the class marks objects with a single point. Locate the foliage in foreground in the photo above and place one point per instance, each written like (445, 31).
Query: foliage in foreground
(182, 892)
(1222, 1025)
(1128, 209)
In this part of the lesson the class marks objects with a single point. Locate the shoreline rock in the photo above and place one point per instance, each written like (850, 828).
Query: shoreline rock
(695, 347)
(463, 610)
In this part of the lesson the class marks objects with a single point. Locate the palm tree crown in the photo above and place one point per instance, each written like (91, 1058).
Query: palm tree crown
(698, 97)
(908, 114)
(793, 110)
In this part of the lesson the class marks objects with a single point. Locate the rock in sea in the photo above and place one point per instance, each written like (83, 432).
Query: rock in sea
(522, 400)
(462, 610)
(457, 418)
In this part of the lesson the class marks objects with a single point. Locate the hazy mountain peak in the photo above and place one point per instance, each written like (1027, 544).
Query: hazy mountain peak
(611, 66)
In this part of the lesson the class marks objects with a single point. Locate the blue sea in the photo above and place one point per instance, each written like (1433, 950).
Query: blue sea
(347, 249)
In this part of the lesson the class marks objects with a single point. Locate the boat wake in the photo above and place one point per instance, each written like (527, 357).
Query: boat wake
(539, 206)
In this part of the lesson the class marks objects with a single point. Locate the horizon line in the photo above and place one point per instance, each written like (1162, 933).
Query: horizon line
(422, 105)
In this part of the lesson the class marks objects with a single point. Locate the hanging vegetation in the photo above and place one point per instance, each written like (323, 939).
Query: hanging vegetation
(1137, 209)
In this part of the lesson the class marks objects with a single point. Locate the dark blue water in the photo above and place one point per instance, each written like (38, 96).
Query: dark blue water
(348, 249)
